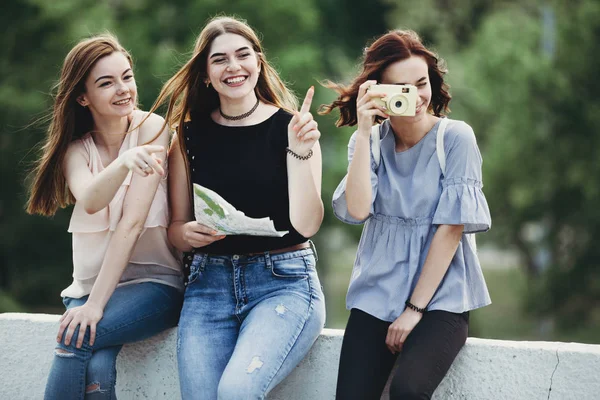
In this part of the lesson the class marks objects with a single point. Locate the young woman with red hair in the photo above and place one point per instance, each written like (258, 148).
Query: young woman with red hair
(416, 275)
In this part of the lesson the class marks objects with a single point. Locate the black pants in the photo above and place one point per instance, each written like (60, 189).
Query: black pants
(427, 354)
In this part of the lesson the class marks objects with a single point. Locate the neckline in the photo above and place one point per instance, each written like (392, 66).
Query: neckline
(433, 128)
(91, 138)
(244, 126)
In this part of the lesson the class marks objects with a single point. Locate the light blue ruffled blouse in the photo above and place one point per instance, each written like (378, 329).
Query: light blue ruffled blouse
(411, 198)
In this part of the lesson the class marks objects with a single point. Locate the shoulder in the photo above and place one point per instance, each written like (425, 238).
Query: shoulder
(458, 134)
(78, 154)
(152, 126)
(80, 147)
(148, 120)
(282, 116)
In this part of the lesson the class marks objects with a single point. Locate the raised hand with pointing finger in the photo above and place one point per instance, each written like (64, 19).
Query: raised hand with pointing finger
(303, 130)
(236, 146)
(143, 160)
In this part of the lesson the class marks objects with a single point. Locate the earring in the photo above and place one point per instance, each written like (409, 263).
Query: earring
(207, 83)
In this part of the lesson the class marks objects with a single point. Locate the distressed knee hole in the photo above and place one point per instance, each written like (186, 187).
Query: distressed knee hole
(63, 353)
(92, 387)
(280, 309)
(255, 364)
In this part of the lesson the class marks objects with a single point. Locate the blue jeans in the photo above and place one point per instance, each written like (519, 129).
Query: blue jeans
(246, 322)
(134, 312)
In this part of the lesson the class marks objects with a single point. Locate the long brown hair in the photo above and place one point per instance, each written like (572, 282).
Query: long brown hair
(394, 46)
(187, 93)
(68, 121)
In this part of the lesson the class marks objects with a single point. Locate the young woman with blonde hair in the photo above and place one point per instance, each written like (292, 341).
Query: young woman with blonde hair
(127, 282)
(253, 305)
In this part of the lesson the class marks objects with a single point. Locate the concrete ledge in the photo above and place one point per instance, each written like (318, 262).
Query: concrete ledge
(485, 369)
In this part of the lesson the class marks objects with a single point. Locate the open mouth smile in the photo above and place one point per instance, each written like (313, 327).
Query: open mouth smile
(122, 102)
(235, 80)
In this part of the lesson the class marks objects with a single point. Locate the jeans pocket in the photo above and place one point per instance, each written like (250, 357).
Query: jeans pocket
(311, 262)
(290, 268)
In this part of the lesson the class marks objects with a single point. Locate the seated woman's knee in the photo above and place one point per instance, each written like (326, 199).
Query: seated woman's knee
(408, 388)
(231, 390)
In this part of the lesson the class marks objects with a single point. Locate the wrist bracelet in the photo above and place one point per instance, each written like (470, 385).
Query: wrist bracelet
(415, 308)
(298, 156)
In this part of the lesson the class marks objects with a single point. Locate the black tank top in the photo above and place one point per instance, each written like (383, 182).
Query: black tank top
(246, 165)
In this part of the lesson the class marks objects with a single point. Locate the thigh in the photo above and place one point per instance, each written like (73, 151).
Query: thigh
(428, 354)
(134, 312)
(365, 360)
(274, 337)
(139, 311)
(207, 332)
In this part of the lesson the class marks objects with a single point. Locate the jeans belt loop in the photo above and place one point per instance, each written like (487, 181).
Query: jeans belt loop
(314, 249)
(204, 261)
(268, 260)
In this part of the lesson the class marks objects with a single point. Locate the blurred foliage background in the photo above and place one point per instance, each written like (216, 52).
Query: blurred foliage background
(523, 73)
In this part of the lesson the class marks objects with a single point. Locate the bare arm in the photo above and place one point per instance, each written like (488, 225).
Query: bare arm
(441, 251)
(443, 247)
(101, 188)
(96, 192)
(136, 206)
(304, 187)
(304, 176)
(358, 183)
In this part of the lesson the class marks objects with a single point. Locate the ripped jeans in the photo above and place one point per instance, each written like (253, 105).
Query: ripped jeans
(246, 322)
(134, 312)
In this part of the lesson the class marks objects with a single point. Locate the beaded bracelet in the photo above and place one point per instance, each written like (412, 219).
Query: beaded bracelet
(414, 308)
(298, 156)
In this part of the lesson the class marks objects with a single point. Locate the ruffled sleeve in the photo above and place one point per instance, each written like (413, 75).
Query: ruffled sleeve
(340, 206)
(462, 201)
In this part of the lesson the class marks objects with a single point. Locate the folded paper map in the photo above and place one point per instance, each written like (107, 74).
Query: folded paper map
(214, 212)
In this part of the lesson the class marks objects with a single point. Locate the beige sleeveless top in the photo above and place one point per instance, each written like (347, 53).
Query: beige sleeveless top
(153, 258)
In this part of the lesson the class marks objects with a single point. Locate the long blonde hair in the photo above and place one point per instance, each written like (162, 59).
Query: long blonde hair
(187, 93)
(68, 121)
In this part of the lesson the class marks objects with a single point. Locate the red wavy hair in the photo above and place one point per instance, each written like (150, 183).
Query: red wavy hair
(394, 46)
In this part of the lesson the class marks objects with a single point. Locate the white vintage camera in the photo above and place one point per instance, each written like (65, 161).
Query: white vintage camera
(399, 100)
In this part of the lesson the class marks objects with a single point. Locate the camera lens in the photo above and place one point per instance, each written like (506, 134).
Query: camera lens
(397, 104)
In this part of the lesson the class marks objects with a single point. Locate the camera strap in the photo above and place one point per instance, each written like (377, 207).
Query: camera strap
(441, 155)
(439, 144)
(439, 149)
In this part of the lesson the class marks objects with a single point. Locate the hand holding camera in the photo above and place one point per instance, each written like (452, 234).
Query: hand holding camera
(399, 100)
(384, 101)
(367, 108)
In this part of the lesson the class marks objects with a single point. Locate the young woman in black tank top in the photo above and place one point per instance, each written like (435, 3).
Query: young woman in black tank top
(253, 305)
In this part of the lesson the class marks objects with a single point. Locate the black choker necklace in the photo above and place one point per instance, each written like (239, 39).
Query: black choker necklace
(241, 116)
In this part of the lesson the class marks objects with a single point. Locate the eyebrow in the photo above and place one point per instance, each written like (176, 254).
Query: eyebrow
(223, 54)
(420, 80)
(110, 76)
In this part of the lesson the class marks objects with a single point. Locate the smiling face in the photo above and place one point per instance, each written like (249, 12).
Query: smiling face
(413, 71)
(232, 66)
(110, 89)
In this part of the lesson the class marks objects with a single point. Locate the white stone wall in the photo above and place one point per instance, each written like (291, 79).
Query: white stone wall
(485, 369)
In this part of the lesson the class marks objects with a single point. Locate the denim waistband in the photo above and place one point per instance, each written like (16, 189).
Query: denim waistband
(266, 257)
